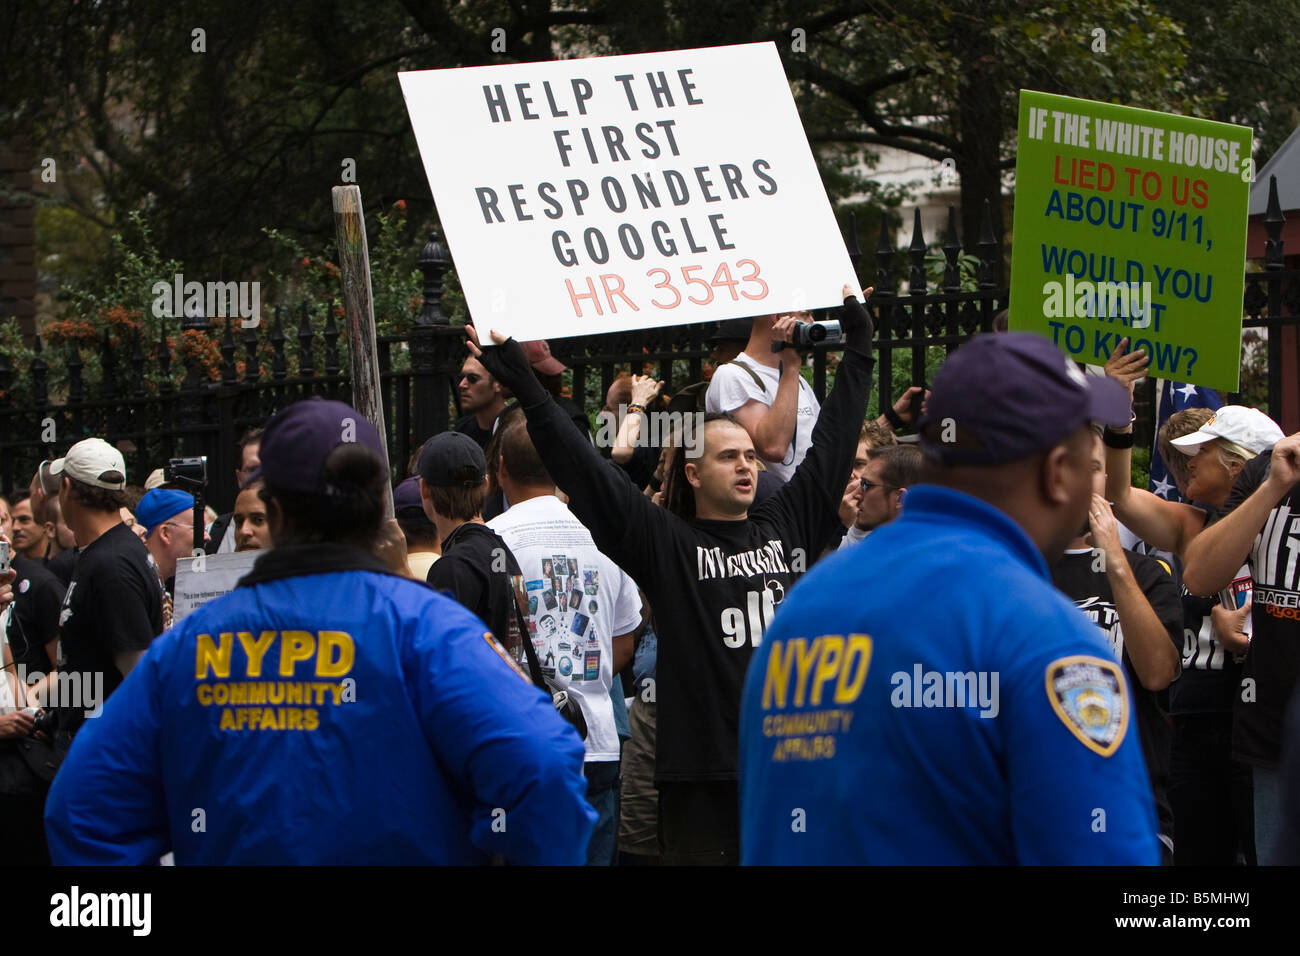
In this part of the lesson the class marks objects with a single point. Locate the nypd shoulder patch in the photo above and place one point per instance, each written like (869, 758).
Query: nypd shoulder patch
(501, 653)
(1090, 696)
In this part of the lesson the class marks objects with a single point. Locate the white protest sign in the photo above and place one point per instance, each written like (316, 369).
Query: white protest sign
(627, 192)
(199, 580)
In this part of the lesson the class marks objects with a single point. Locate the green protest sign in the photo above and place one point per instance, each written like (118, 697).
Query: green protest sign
(1131, 223)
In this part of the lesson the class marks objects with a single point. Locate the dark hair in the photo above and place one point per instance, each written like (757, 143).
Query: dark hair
(520, 458)
(352, 512)
(419, 530)
(251, 437)
(133, 495)
(18, 497)
(679, 496)
(94, 497)
(492, 453)
(902, 468)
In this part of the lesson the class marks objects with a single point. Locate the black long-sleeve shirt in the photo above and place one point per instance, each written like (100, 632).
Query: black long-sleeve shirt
(714, 585)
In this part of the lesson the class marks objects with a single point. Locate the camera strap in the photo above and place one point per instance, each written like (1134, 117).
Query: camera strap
(566, 705)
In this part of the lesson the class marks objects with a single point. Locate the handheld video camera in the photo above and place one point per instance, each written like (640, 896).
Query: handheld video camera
(192, 472)
(807, 335)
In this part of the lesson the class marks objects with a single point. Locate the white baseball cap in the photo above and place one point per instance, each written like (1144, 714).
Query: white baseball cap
(1248, 431)
(94, 462)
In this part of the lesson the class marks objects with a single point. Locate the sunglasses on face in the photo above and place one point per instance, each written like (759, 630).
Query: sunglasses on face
(868, 485)
(472, 377)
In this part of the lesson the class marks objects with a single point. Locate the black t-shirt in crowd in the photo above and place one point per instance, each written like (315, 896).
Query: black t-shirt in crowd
(1272, 666)
(61, 565)
(38, 597)
(471, 571)
(1211, 673)
(1090, 590)
(113, 606)
(713, 585)
(468, 425)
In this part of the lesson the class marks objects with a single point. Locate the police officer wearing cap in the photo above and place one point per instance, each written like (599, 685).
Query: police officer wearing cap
(326, 710)
(967, 713)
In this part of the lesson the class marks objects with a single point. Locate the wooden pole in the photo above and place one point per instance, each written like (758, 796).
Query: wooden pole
(359, 307)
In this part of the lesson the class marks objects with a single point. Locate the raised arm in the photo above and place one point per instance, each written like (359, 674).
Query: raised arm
(1146, 638)
(1214, 556)
(772, 426)
(644, 389)
(625, 524)
(812, 496)
(1168, 525)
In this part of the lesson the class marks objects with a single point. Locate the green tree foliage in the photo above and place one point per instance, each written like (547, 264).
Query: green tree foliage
(215, 147)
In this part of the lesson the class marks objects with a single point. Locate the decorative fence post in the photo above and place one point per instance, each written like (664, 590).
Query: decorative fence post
(435, 347)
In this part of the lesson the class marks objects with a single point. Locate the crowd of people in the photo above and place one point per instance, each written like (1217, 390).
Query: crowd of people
(729, 624)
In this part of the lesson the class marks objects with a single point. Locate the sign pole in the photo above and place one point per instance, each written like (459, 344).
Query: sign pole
(359, 308)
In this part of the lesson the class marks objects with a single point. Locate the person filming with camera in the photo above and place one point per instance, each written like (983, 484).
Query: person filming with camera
(763, 390)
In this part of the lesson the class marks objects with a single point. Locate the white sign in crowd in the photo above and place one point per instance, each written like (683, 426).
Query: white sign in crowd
(627, 192)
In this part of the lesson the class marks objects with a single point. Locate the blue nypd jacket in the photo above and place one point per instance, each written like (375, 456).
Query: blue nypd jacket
(927, 697)
(325, 711)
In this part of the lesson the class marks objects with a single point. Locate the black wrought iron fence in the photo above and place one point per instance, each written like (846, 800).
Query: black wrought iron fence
(300, 352)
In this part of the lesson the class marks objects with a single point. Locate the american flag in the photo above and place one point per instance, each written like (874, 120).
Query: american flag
(1174, 397)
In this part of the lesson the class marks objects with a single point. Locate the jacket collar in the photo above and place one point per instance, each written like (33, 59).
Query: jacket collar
(296, 560)
(931, 503)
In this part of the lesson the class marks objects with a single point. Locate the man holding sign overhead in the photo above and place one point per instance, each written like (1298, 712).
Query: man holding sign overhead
(713, 571)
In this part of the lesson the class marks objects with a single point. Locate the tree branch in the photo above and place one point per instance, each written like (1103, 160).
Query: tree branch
(878, 139)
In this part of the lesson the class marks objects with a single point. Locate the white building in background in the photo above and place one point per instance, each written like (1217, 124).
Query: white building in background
(932, 187)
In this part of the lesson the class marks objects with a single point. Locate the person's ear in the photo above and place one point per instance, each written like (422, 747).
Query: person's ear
(49, 530)
(693, 475)
(1055, 475)
(899, 493)
(275, 519)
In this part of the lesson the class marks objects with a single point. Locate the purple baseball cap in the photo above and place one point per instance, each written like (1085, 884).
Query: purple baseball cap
(406, 499)
(1010, 396)
(298, 439)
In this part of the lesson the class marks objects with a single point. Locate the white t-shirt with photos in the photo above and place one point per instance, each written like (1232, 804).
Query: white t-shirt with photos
(578, 602)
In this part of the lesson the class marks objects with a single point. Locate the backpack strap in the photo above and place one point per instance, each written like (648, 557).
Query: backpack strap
(752, 374)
